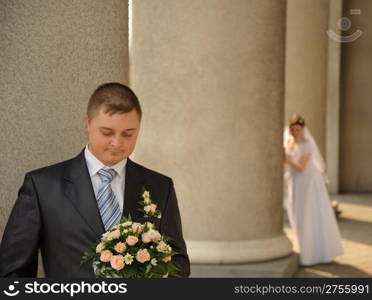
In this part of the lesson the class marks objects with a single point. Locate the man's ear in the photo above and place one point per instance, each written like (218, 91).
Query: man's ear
(87, 122)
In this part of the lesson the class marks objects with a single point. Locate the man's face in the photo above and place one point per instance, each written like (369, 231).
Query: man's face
(112, 137)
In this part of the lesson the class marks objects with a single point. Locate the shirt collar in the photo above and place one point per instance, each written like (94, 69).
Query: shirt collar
(94, 164)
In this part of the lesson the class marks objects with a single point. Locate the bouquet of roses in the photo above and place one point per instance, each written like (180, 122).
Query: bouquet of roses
(133, 250)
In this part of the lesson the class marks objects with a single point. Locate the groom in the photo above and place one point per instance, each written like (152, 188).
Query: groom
(58, 208)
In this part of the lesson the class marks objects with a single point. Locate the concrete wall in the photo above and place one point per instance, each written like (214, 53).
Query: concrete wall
(356, 102)
(53, 55)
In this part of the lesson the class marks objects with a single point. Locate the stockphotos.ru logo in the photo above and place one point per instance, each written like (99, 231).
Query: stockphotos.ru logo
(344, 24)
(12, 290)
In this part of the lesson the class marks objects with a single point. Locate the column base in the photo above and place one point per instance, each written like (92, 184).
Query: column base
(278, 268)
(233, 252)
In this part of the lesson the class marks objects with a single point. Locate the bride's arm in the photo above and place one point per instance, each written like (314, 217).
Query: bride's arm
(298, 165)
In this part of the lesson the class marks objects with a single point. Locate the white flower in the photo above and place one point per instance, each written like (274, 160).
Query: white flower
(125, 230)
(126, 224)
(146, 195)
(150, 225)
(154, 262)
(128, 259)
(147, 208)
(105, 236)
(155, 235)
(163, 247)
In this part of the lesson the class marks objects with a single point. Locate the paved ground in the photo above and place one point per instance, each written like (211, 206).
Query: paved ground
(355, 224)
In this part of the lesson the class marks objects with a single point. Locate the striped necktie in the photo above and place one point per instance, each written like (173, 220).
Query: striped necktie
(108, 205)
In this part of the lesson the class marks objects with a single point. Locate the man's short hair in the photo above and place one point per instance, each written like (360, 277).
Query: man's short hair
(115, 98)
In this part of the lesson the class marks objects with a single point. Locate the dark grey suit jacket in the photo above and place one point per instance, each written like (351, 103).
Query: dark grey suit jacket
(57, 211)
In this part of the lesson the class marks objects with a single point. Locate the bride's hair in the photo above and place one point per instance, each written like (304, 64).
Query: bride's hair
(296, 120)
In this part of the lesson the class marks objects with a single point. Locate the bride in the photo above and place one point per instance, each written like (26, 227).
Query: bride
(308, 205)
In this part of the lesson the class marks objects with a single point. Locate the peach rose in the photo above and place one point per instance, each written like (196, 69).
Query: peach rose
(100, 247)
(166, 259)
(136, 227)
(117, 262)
(114, 234)
(146, 237)
(131, 240)
(120, 247)
(105, 255)
(143, 255)
(153, 208)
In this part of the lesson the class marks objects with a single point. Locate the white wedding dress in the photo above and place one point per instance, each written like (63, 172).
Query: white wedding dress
(309, 209)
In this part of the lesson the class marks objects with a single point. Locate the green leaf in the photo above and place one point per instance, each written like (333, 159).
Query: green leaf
(148, 268)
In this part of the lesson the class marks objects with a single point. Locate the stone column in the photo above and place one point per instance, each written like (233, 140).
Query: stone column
(356, 104)
(333, 96)
(306, 64)
(53, 55)
(210, 78)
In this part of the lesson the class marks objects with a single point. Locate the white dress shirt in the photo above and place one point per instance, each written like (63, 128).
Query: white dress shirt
(117, 184)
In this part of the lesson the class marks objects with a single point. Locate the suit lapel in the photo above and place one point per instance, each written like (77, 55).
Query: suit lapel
(133, 189)
(79, 191)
